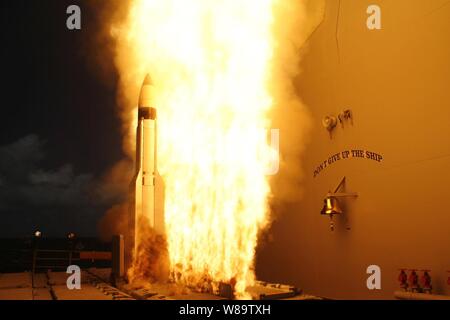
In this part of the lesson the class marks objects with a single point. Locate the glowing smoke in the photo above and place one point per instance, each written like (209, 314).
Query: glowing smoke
(290, 22)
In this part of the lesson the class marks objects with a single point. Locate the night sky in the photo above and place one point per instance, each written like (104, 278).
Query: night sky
(59, 129)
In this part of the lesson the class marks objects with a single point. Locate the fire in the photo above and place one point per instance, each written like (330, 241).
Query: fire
(211, 63)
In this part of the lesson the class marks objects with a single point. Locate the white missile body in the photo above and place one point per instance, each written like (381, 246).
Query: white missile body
(143, 184)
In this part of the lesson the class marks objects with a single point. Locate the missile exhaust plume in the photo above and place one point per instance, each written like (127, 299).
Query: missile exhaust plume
(222, 71)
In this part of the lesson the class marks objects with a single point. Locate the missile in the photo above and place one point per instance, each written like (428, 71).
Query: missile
(143, 183)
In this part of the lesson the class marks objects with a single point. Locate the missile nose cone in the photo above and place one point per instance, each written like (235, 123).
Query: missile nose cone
(148, 80)
(146, 109)
(145, 97)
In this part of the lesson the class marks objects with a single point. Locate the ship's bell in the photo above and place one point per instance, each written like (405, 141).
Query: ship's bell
(331, 206)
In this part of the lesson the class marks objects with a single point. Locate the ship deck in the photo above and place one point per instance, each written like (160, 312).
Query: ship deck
(95, 286)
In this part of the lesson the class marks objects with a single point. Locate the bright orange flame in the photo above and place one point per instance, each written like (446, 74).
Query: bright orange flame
(211, 62)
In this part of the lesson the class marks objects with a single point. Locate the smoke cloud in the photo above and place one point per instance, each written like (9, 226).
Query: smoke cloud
(296, 21)
(151, 261)
(56, 200)
(290, 114)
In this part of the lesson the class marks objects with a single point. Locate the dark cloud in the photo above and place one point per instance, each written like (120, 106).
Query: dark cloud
(19, 158)
(55, 200)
